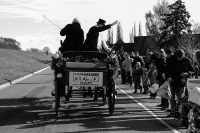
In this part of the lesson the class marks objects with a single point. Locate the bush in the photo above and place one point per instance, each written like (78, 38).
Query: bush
(9, 43)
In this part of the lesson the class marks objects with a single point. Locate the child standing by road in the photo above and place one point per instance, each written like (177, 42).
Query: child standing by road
(137, 74)
(145, 81)
(151, 75)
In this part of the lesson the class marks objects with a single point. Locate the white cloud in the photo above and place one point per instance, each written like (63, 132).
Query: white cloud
(27, 16)
(11, 23)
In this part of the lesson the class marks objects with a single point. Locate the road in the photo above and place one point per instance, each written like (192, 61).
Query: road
(25, 107)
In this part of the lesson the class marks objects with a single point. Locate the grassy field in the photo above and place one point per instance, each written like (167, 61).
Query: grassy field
(15, 64)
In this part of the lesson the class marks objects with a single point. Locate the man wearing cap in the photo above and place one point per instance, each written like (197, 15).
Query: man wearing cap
(74, 37)
(93, 35)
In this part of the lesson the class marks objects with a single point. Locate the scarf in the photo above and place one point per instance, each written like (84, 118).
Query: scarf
(101, 45)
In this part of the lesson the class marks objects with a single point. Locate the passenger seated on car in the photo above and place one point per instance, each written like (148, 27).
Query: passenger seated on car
(91, 42)
(74, 37)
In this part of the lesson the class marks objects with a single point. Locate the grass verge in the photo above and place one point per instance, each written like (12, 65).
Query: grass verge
(15, 64)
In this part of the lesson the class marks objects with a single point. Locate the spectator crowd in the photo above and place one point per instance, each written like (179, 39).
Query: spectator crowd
(141, 72)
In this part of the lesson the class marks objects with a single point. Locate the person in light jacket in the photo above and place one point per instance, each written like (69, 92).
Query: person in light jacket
(152, 76)
(128, 67)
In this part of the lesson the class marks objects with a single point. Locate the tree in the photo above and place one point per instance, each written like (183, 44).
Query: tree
(159, 9)
(119, 33)
(152, 29)
(140, 29)
(151, 24)
(110, 37)
(154, 22)
(131, 35)
(195, 28)
(46, 49)
(9, 43)
(189, 43)
(176, 23)
(134, 29)
(33, 50)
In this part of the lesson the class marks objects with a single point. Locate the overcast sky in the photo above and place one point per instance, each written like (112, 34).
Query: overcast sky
(23, 20)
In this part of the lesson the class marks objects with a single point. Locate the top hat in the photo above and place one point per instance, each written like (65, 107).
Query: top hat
(101, 21)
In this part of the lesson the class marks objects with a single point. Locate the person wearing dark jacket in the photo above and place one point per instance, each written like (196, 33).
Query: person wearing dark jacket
(138, 58)
(74, 37)
(169, 54)
(161, 67)
(177, 66)
(147, 60)
(91, 41)
(122, 66)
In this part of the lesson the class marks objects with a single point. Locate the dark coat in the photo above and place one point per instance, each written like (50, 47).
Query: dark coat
(161, 67)
(74, 37)
(92, 38)
(138, 59)
(137, 75)
(121, 59)
(147, 61)
(175, 67)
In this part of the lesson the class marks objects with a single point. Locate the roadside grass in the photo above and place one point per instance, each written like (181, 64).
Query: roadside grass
(15, 64)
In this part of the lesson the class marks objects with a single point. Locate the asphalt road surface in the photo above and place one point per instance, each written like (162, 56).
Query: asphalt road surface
(26, 107)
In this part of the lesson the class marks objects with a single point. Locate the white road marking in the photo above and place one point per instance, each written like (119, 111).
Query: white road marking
(152, 113)
(3, 86)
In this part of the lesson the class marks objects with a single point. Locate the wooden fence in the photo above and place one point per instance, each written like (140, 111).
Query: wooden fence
(141, 44)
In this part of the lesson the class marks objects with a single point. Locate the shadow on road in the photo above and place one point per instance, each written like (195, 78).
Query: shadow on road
(35, 112)
(30, 112)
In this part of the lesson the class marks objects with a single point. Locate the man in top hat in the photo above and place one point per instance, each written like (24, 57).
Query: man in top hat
(93, 35)
(92, 40)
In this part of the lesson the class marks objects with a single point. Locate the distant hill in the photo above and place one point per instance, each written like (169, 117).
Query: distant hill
(17, 63)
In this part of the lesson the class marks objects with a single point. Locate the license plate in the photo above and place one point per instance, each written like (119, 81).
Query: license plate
(86, 79)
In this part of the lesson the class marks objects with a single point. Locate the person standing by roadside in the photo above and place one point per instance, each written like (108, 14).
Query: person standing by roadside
(169, 54)
(177, 66)
(161, 67)
(128, 67)
(152, 76)
(132, 55)
(137, 77)
(147, 60)
(137, 58)
(196, 70)
(145, 81)
(122, 67)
